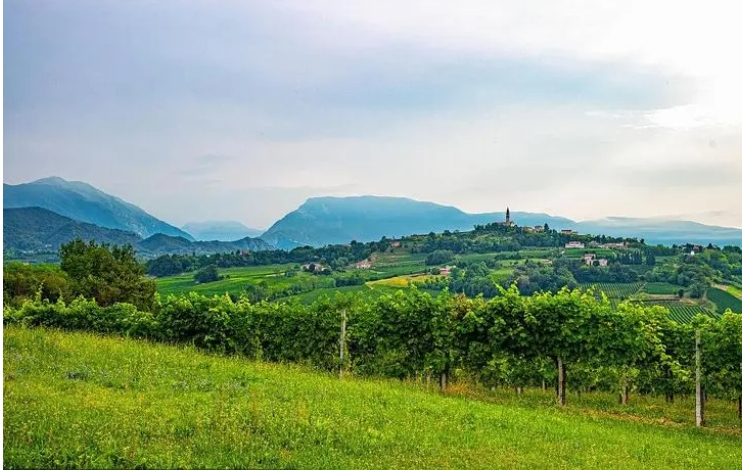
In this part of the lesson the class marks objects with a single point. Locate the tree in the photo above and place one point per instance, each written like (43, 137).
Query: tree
(106, 274)
(564, 327)
(207, 274)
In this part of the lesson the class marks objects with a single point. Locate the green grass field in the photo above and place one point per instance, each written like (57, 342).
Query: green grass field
(499, 276)
(735, 291)
(724, 300)
(661, 288)
(78, 400)
(236, 279)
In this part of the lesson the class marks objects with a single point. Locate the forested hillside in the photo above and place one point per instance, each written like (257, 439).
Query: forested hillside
(39, 230)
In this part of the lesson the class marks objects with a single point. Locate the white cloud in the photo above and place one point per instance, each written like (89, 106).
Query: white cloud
(281, 146)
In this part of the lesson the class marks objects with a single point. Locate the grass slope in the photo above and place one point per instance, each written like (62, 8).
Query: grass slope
(82, 400)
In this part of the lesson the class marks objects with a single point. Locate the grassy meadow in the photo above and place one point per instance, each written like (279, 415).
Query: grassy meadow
(80, 400)
(235, 280)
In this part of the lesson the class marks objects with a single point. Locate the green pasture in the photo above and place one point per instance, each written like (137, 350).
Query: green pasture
(85, 401)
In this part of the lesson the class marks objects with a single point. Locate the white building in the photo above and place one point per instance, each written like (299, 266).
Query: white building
(574, 244)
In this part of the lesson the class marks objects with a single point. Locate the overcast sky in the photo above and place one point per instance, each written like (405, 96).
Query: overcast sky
(240, 110)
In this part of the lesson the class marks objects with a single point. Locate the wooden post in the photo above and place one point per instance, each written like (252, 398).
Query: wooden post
(739, 407)
(562, 383)
(624, 391)
(343, 326)
(443, 381)
(699, 389)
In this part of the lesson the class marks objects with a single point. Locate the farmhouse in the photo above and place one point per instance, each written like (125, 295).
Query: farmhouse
(365, 264)
(538, 228)
(603, 262)
(395, 244)
(588, 258)
(613, 245)
(446, 270)
(574, 245)
(308, 267)
(568, 232)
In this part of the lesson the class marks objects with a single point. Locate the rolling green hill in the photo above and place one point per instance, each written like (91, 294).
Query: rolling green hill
(155, 406)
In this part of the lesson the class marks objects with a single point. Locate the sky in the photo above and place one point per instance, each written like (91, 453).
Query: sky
(240, 110)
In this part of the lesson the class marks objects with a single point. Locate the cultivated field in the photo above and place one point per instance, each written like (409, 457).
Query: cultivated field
(235, 281)
(79, 400)
(724, 300)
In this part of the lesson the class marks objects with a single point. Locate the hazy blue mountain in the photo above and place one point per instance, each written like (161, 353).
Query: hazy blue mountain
(82, 202)
(36, 229)
(220, 230)
(160, 244)
(337, 220)
(658, 230)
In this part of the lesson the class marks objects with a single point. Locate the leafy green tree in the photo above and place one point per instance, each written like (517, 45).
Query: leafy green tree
(24, 282)
(439, 257)
(207, 274)
(107, 274)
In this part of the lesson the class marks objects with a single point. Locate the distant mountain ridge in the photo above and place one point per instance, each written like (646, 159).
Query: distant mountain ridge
(332, 220)
(36, 230)
(220, 230)
(82, 202)
(318, 221)
(659, 230)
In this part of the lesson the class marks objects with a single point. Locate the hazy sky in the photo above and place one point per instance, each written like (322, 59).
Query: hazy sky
(240, 110)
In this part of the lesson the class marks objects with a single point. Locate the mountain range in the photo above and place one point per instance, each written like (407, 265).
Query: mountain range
(82, 202)
(220, 230)
(43, 214)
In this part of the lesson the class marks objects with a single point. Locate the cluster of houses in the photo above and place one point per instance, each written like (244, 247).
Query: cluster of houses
(576, 244)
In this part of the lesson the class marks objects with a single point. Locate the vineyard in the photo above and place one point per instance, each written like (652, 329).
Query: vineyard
(724, 300)
(618, 291)
(684, 312)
